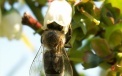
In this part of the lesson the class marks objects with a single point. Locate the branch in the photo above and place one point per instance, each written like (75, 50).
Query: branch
(31, 22)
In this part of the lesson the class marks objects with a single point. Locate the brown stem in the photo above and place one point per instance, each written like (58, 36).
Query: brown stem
(31, 22)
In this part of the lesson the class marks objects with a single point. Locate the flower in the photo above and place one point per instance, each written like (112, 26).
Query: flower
(10, 26)
(59, 11)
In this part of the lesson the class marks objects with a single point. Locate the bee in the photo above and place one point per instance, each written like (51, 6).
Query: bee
(54, 60)
(58, 17)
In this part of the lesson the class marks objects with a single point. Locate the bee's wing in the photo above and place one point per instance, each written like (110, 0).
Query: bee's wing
(68, 68)
(36, 68)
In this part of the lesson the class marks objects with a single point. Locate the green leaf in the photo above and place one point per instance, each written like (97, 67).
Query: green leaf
(88, 6)
(107, 17)
(76, 19)
(115, 38)
(83, 26)
(90, 60)
(114, 11)
(76, 55)
(112, 29)
(116, 3)
(101, 47)
(74, 34)
(111, 73)
(80, 34)
(42, 2)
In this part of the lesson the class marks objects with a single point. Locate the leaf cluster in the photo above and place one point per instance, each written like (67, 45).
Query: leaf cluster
(96, 44)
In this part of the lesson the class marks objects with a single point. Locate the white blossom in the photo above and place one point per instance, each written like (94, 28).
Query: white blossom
(10, 26)
(59, 11)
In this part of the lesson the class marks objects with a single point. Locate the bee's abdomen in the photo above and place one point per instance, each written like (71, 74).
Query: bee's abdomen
(53, 64)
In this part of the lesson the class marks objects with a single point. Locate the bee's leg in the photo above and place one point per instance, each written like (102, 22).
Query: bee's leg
(68, 45)
(68, 37)
(42, 36)
(54, 26)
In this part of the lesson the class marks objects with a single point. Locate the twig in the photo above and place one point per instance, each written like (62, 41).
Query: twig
(31, 22)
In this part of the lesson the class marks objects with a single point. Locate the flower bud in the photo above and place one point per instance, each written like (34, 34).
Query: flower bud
(10, 26)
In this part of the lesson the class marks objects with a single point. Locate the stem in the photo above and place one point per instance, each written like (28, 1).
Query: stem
(31, 22)
(90, 17)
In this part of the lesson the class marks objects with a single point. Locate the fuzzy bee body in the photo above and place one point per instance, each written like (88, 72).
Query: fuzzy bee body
(57, 32)
(54, 60)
